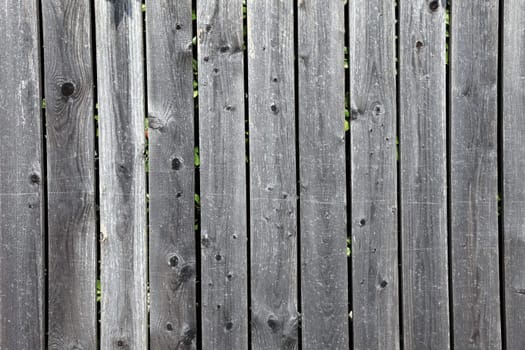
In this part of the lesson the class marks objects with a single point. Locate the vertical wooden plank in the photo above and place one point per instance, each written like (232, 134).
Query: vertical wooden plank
(374, 175)
(423, 175)
(72, 315)
(514, 170)
(474, 178)
(273, 199)
(21, 202)
(223, 175)
(171, 175)
(324, 274)
(122, 174)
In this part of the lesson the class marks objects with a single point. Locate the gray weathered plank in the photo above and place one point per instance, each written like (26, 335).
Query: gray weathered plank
(72, 315)
(374, 176)
(173, 319)
(514, 171)
(21, 197)
(122, 174)
(324, 273)
(273, 199)
(223, 175)
(423, 165)
(474, 178)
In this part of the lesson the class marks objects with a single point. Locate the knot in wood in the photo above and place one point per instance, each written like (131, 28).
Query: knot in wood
(189, 336)
(67, 89)
(34, 178)
(174, 261)
(185, 273)
(176, 164)
(434, 5)
(273, 323)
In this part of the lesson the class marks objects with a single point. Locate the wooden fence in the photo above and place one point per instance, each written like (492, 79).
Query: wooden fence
(275, 174)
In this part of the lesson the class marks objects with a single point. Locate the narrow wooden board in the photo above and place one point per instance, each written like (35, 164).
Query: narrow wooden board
(513, 163)
(21, 180)
(423, 162)
(120, 76)
(324, 272)
(72, 237)
(173, 318)
(223, 175)
(273, 187)
(474, 175)
(374, 220)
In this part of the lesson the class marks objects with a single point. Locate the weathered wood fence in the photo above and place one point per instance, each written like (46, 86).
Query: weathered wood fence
(275, 174)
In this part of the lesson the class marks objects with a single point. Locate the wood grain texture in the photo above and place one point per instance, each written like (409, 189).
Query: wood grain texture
(514, 170)
(122, 174)
(21, 180)
(423, 163)
(474, 178)
(374, 175)
(173, 318)
(223, 175)
(324, 272)
(273, 199)
(72, 237)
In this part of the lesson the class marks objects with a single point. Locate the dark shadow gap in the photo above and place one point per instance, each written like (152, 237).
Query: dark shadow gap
(348, 174)
(197, 213)
(500, 162)
(398, 150)
(448, 11)
(96, 167)
(247, 156)
(43, 165)
(146, 157)
(297, 171)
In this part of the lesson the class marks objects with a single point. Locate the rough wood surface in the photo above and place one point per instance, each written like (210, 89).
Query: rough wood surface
(374, 175)
(21, 180)
(514, 170)
(223, 175)
(72, 237)
(122, 174)
(474, 177)
(173, 318)
(273, 199)
(423, 163)
(324, 273)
